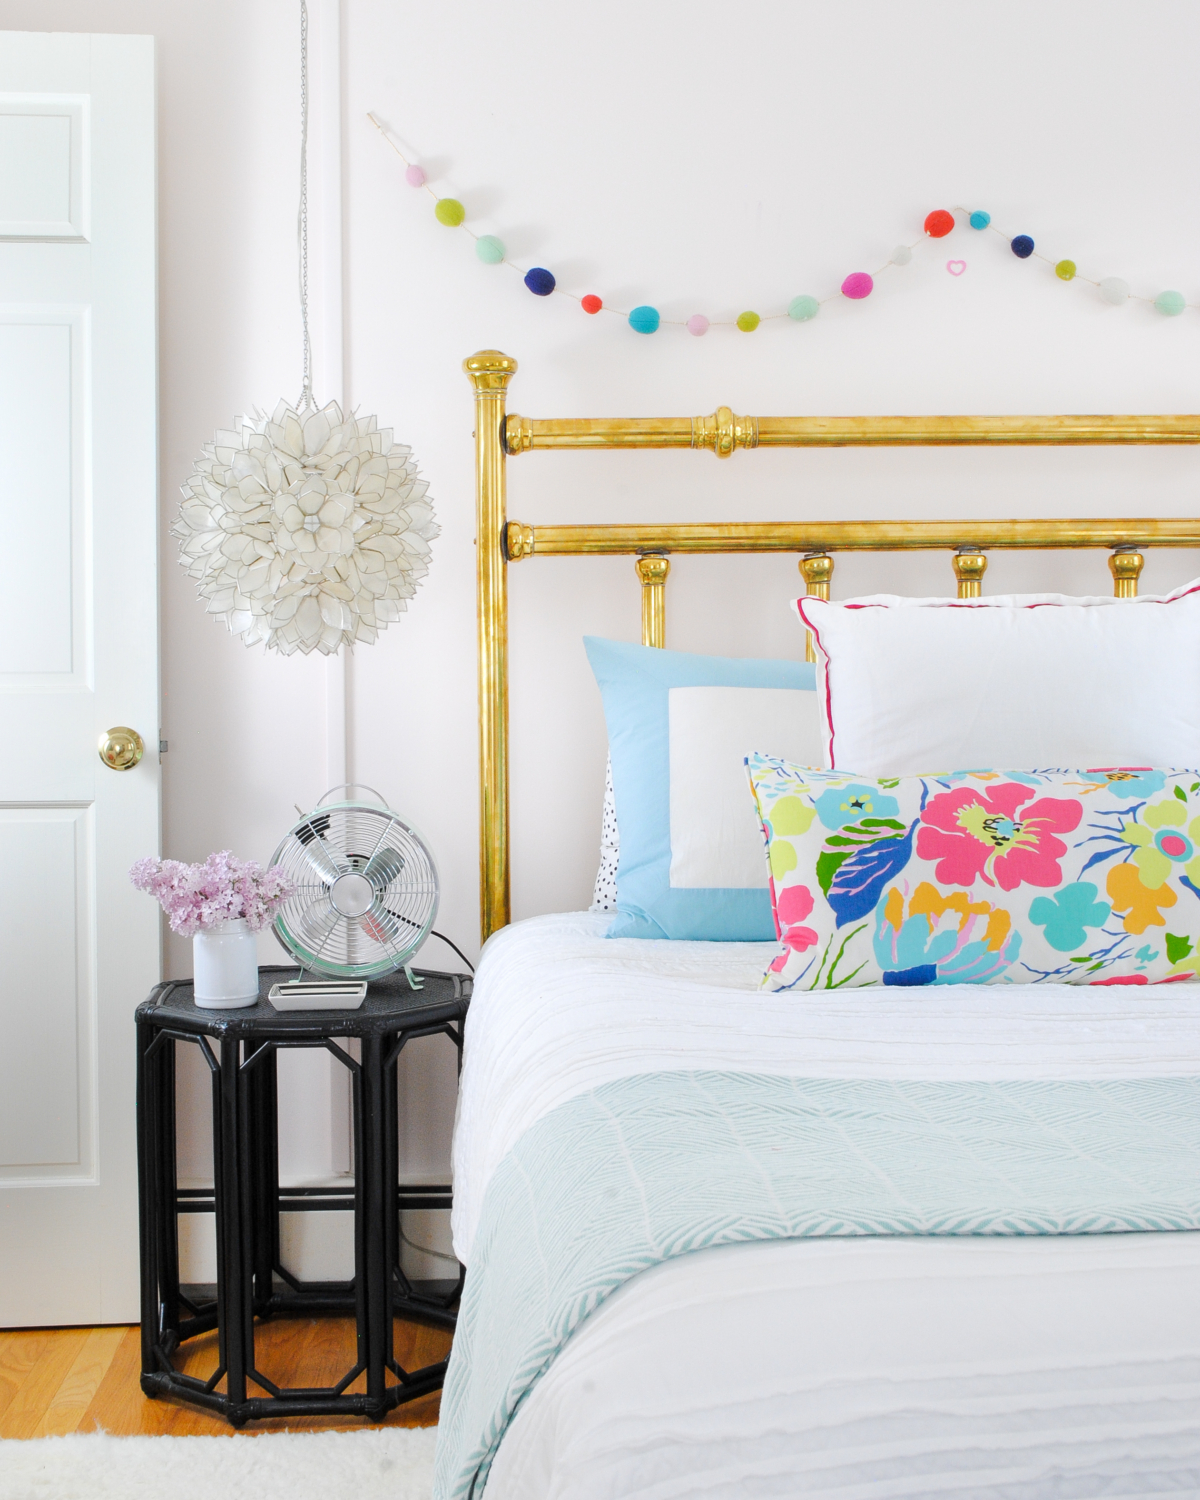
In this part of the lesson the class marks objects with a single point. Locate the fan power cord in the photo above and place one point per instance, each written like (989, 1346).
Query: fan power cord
(427, 1250)
(457, 950)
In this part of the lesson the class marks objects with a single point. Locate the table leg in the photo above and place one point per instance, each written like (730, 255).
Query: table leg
(234, 1312)
(377, 1281)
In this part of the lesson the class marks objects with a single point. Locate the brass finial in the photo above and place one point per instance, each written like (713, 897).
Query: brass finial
(1125, 564)
(970, 564)
(652, 569)
(489, 370)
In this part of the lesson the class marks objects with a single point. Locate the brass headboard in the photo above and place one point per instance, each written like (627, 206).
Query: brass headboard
(500, 541)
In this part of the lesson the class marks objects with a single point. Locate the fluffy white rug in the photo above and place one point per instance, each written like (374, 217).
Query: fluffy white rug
(389, 1463)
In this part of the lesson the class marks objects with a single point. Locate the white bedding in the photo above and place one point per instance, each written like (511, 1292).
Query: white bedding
(558, 1009)
(870, 1368)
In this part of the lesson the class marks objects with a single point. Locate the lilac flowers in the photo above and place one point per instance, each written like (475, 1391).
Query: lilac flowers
(223, 888)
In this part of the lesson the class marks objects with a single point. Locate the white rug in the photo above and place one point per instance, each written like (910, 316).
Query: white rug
(393, 1463)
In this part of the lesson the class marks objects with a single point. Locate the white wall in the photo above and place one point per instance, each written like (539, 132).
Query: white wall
(699, 159)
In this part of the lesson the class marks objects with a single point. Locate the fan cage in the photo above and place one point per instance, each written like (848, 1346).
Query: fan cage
(376, 844)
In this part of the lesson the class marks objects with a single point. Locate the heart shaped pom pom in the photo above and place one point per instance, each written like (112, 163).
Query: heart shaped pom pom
(857, 286)
(591, 303)
(449, 211)
(644, 319)
(938, 223)
(415, 176)
(697, 325)
(1022, 247)
(979, 219)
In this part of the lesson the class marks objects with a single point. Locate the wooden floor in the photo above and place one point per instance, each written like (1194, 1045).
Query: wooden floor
(59, 1380)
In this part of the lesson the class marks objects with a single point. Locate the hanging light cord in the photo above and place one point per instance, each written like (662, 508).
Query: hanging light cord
(306, 396)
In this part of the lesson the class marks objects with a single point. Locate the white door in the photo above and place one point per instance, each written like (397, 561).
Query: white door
(79, 948)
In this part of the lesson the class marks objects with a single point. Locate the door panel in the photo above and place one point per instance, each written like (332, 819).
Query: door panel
(78, 654)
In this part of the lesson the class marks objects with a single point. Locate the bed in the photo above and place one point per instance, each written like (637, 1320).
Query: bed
(864, 1242)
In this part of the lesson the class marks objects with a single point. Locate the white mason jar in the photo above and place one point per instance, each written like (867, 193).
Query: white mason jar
(225, 966)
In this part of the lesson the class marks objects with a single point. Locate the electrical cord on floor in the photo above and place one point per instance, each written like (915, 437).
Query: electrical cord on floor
(425, 1250)
(457, 950)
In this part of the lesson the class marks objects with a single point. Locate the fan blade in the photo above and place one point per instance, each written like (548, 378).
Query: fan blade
(381, 925)
(316, 924)
(382, 868)
(311, 834)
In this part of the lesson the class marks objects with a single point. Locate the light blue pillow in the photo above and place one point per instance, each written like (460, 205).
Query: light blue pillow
(692, 861)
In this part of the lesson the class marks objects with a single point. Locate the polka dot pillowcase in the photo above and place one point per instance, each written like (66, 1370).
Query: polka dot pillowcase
(981, 877)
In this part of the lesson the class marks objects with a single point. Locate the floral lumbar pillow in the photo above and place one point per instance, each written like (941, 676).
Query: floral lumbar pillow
(981, 877)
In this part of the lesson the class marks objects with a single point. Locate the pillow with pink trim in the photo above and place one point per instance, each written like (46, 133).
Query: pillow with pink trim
(980, 877)
(909, 685)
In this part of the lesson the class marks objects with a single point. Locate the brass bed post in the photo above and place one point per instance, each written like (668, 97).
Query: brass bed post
(489, 372)
(817, 571)
(970, 564)
(652, 569)
(1125, 564)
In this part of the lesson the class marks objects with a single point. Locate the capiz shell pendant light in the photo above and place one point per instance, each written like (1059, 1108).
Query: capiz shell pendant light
(307, 529)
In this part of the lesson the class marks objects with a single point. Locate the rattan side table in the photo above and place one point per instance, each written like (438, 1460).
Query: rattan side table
(240, 1048)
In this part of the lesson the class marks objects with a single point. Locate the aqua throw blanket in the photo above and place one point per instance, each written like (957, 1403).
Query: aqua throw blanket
(647, 1168)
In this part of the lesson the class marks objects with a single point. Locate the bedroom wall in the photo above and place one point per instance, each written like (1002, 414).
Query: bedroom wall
(667, 154)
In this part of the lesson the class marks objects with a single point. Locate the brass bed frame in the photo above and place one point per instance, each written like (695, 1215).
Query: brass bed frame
(500, 541)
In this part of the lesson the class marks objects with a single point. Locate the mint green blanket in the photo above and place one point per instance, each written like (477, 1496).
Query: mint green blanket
(647, 1168)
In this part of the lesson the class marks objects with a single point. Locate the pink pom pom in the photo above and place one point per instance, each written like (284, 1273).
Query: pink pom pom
(415, 176)
(857, 285)
(697, 324)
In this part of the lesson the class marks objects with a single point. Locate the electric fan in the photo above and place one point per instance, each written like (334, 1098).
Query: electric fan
(365, 898)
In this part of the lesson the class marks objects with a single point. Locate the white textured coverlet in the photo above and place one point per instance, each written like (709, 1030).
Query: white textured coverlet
(1032, 1368)
(558, 1009)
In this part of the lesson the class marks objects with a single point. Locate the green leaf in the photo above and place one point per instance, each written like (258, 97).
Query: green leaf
(1181, 794)
(828, 864)
(1081, 958)
(1195, 787)
(1094, 967)
(1177, 948)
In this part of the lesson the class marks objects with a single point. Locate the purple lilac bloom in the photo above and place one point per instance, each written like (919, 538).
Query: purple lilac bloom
(222, 889)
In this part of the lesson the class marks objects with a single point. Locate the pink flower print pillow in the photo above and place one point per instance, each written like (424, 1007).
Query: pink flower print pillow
(981, 877)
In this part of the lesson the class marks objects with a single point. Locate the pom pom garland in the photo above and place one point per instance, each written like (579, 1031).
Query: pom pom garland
(1170, 303)
(802, 308)
(539, 281)
(855, 287)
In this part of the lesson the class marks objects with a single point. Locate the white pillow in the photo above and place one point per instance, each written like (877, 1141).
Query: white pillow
(1020, 681)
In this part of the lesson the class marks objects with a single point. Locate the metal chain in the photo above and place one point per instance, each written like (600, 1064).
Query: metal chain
(306, 395)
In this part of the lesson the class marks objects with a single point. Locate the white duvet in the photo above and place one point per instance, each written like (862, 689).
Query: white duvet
(851, 1368)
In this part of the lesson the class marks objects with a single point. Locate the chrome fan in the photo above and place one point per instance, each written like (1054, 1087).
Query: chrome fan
(366, 889)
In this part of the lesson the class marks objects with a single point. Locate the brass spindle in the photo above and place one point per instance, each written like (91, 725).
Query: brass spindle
(817, 571)
(969, 567)
(1125, 564)
(652, 569)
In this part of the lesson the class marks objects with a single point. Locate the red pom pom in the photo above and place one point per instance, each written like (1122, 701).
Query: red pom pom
(591, 303)
(938, 223)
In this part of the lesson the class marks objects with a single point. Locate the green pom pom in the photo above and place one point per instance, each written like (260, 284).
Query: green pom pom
(450, 212)
(803, 308)
(489, 249)
(1171, 303)
(1065, 270)
(748, 321)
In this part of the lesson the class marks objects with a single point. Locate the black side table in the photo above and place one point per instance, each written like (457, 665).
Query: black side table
(247, 1199)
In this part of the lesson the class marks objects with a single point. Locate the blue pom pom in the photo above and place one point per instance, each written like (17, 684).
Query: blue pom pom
(539, 281)
(1022, 246)
(644, 320)
(979, 220)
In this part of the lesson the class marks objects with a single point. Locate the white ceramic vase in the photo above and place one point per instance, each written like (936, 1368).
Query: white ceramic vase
(225, 966)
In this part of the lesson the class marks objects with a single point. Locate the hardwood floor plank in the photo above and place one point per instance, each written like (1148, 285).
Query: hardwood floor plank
(73, 1397)
(46, 1374)
(25, 1411)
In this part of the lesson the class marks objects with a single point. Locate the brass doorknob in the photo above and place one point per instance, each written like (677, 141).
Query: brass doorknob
(121, 748)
